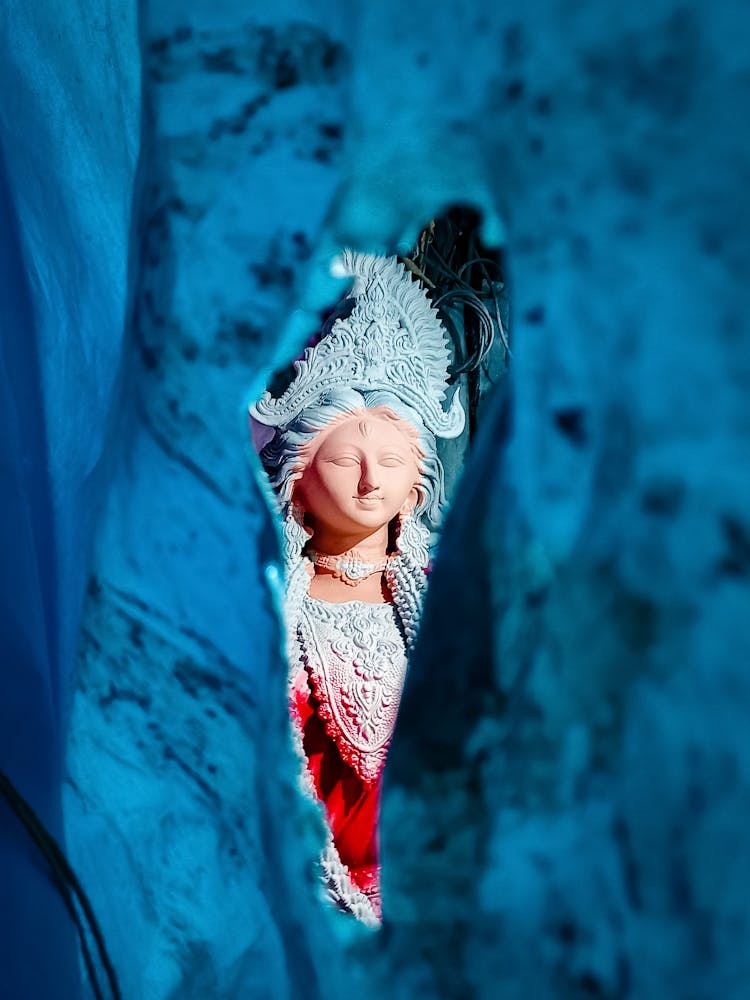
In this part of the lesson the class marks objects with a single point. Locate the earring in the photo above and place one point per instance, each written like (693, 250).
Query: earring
(295, 535)
(413, 539)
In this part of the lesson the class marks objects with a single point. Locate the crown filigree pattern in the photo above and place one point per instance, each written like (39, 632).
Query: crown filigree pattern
(392, 341)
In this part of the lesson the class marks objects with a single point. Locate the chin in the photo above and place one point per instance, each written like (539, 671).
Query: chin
(370, 522)
(371, 518)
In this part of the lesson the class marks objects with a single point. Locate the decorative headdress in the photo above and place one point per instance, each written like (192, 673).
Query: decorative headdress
(392, 341)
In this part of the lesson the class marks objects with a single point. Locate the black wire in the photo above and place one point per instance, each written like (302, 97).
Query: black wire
(24, 813)
(66, 880)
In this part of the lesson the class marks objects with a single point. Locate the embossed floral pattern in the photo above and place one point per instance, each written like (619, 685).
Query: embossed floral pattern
(356, 661)
(393, 337)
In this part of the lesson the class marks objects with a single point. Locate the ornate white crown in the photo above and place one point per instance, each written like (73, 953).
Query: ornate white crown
(392, 340)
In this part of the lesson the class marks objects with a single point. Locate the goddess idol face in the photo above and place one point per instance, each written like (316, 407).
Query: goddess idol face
(360, 472)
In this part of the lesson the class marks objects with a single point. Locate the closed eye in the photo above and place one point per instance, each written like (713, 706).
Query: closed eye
(345, 461)
(391, 461)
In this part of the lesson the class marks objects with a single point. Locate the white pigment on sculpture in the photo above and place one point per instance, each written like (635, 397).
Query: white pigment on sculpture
(360, 487)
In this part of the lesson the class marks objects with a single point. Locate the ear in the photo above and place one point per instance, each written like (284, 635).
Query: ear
(415, 496)
(297, 497)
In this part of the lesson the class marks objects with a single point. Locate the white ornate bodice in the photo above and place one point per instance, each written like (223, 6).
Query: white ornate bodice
(356, 661)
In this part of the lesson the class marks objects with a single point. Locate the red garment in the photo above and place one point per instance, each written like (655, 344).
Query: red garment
(352, 806)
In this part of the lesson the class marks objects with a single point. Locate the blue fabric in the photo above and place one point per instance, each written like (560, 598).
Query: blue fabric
(37, 947)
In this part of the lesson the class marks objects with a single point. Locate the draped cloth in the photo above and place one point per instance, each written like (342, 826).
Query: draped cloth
(344, 702)
(351, 805)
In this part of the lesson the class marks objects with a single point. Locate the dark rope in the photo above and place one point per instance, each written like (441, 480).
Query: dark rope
(67, 884)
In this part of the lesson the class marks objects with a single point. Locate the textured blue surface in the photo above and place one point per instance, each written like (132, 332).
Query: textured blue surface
(67, 128)
(36, 937)
(568, 790)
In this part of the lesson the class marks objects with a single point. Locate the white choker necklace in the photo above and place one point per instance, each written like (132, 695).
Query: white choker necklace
(349, 567)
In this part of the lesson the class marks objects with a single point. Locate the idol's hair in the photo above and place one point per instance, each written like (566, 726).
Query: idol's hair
(286, 455)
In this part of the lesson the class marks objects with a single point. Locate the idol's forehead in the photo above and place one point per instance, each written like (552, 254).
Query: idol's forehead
(363, 428)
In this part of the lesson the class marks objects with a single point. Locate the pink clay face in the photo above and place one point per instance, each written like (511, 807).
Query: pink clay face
(360, 476)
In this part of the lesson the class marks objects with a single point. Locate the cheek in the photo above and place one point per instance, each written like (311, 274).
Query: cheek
(412, 477)
(328, 483)
(401, 484)
(309, 488)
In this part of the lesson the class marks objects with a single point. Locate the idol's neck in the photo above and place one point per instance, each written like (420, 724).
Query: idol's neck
(370, 546)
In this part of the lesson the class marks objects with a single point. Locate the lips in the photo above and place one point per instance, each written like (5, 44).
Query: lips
(369, 501)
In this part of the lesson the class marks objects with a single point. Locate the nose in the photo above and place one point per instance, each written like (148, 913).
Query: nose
(367, 479)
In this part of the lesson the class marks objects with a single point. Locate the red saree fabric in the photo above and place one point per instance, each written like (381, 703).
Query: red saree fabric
(351, 806)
